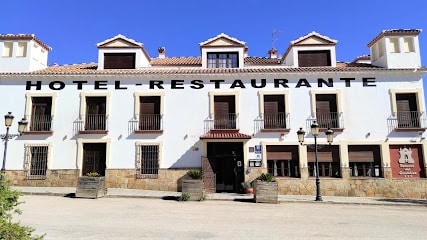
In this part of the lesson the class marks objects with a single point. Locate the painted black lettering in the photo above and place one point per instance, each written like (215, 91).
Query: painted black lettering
(158, 84)
(117, 85)
(237, 83)
(177, 84)
(79, 84)
(321, 81)
(100, 85)
(197, 84)
(303, 82)
(38, 85)
(369, 82)
(281, 82)
(254, 83)
(53, 87)
(217, 83)
(347, 81)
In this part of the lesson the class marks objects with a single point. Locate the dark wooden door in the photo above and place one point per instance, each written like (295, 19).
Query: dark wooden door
(94, 157)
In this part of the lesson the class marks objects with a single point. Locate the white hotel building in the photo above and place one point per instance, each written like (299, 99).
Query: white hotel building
(144, 121)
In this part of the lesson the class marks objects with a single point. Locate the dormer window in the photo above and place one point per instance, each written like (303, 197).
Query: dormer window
(314, 58)
(119, 60)
(223, 60)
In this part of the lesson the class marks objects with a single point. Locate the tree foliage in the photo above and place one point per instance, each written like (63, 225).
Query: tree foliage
(9, 230)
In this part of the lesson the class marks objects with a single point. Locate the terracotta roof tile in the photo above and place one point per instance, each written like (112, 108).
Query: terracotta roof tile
(225, 134)
(177, 61)
(91, 69)
(394, 32)
(24, 37)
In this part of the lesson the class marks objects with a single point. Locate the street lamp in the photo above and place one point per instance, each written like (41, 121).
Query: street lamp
(8, 119)
(329, 138)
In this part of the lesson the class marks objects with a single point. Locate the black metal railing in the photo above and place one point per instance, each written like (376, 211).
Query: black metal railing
(96, 122)
(328, 120)
(275, 120)
(40, 122)
(409, 119)
(150, 122)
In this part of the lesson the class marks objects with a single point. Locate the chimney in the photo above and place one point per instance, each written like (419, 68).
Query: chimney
(273, 53)
(162, 52)
(245, 53)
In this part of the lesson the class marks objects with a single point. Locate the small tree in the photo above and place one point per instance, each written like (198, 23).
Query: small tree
(8, 206)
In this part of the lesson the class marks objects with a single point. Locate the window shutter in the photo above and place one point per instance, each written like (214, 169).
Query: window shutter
(281, 152)
(314, 58)
(119, 61)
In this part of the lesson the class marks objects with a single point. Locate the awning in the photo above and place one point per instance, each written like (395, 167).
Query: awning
(225, 134)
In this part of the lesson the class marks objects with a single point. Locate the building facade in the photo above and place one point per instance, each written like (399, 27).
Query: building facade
(143, 122)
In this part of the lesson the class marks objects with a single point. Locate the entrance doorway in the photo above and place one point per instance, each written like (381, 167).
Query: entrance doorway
(94, 158)
(226, 159)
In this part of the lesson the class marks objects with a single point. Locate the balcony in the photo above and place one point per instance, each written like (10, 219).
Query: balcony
(408, 121)
(222, 122)
(92, 124)
(39, 124)
(333, 120)
(276, 122)
(147, 123)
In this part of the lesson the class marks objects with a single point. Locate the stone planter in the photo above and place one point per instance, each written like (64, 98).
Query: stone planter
(90, 187)
(194, 187)
(266, 192)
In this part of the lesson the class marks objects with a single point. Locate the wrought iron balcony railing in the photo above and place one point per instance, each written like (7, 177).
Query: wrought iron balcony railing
(222, 122)
(39, 123)
(407, 120)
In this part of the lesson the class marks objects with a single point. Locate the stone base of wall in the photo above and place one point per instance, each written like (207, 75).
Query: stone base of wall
(171, 180)
(168, 179)
(54, 178)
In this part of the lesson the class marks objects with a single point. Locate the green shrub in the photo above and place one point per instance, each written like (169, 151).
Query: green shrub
(8, 206)
(93, 174)
(266, 177)
(195, 174)
(184, 197)
(246, 184)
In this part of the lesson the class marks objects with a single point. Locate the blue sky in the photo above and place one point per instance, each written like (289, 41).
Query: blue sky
(72, 28)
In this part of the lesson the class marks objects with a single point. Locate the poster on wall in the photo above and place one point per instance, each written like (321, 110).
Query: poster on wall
(406, 161)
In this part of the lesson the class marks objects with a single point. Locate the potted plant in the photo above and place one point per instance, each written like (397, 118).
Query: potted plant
(91, 186)
(247, 186)
(266, 189)
(194, 187)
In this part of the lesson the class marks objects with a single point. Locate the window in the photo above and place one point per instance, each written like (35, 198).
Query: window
(148, 112)
(36, 160)
(41, 114)
(39, 111)
(119, 60)
(224, 112)
(282, 161)
(148, 160)
(407, 113)
(394, 45)
(22, 49)
(7, 49)
(223, 60)
(326, 110)
(314, 58)
(328, 159)
(274, 112)
(408, 44)
(364, 160)
(94, 112)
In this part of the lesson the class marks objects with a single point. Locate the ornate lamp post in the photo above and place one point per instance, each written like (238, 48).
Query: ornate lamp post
(8, 119)
(329, 138)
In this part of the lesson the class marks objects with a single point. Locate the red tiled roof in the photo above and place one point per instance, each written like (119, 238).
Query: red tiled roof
(24, 37)
(225, 134)
(177, 61)
(91, 69)
(395, 32)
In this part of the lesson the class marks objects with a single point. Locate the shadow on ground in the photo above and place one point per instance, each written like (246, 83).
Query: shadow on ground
(403, 200)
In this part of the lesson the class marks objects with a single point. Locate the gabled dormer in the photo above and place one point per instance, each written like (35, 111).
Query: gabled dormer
(223, 51)
(121, 52)
(22, 53)
(312, 50)
(398, 48)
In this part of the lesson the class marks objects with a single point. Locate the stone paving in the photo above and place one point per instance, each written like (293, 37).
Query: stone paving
(137, 193)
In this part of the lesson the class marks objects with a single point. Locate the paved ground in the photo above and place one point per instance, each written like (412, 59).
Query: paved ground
(113, 217)
(137, 193)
